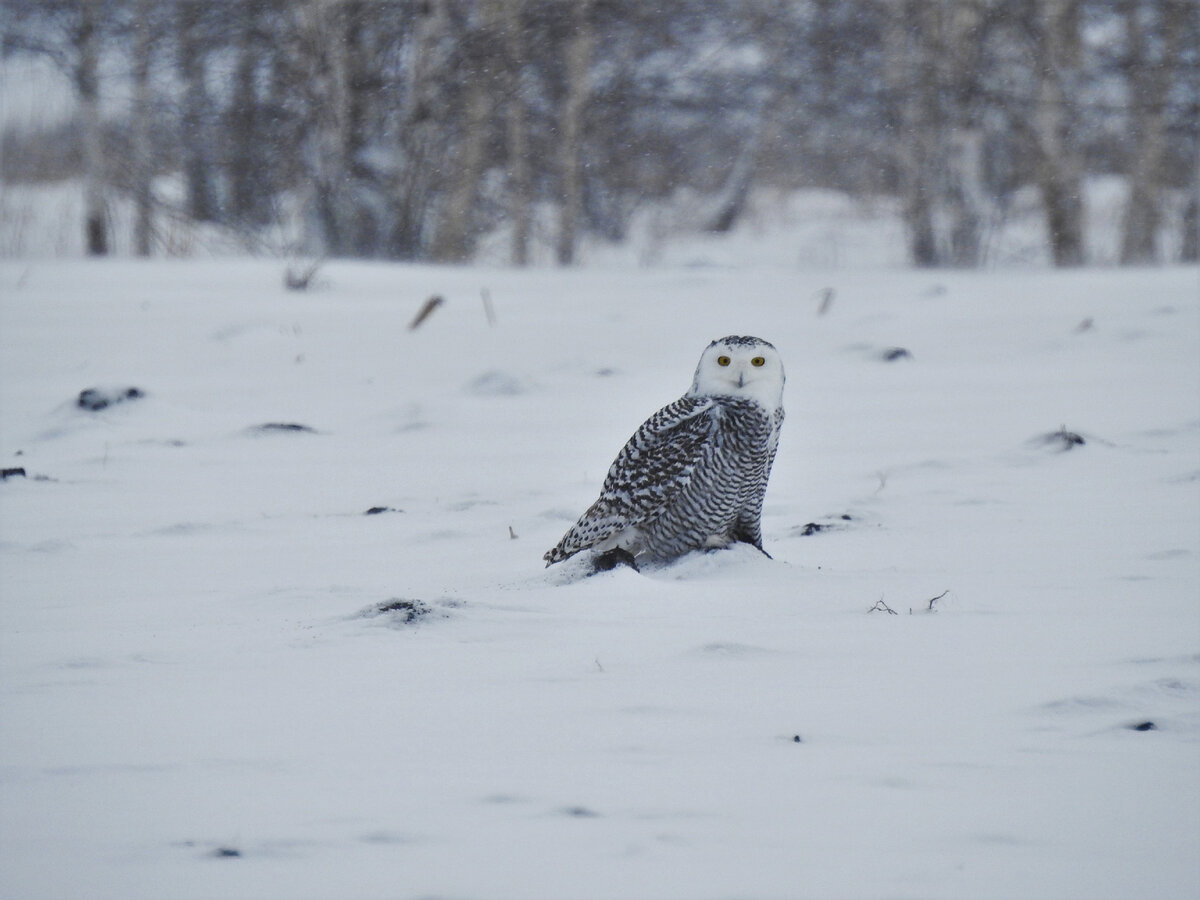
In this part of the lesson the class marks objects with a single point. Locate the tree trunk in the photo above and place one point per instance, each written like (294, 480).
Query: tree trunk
(570, 147)
(965, 196)
(520, 180)
(414, 185)
(1149, 81)
(87, 87)
(249, 182)
(141, 128)
(1059, 163)
(454, 238)
(197, 172)
(911, 77)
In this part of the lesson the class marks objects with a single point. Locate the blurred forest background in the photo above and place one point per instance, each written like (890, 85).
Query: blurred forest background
(405, 130)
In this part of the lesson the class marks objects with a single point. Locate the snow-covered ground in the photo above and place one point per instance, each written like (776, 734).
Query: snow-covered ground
(201, 697)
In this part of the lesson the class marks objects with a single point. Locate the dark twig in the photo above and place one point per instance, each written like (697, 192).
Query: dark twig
(883, 607)
(826, 295)
(426, 310)
(488, 311)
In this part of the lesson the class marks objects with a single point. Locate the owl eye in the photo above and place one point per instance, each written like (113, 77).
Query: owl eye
(722, 360)
(758, 361)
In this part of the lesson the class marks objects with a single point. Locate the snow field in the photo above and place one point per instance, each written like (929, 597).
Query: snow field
(193, 661)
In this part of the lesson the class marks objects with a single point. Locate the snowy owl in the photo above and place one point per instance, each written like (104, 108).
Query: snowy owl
(693, 476)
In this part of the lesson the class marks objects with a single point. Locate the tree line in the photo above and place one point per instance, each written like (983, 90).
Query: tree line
(407, 129)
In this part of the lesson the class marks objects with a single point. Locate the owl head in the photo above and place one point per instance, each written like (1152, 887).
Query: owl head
(736, 366)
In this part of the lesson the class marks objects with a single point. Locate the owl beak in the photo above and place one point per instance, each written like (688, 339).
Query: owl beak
(741, 379)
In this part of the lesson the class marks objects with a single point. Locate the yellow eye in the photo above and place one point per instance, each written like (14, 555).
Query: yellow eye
(722, 360)
(758, 361)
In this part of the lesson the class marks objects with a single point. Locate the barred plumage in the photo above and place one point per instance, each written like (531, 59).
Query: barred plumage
(694, 474)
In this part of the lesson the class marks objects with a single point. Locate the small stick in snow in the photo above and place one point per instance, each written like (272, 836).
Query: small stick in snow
(933, 600)
(512, 535)
(430, 305)
(826, 295)
(488, 311)
(883, 607)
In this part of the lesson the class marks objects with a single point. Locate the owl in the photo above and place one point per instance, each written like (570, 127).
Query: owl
(694, 474)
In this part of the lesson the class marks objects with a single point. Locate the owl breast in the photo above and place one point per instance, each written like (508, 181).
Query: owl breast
(721, 501)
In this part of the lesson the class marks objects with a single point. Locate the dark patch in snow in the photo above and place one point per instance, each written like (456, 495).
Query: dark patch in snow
(580, 812)
(811, 528)
(227, 853)
(502, 799)
(376, 510)
(5, 474)
(1143, 726)
(282, 428)
(297, 279)
(891, 354)
(402, 611)
(96, 399)
(1173, 553)
(606, 562)
(496, 384)
(796, 739)
(1061, 440)
(733, 650)
(384, 838)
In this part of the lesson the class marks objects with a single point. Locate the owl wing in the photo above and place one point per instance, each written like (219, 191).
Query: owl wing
(653, 466)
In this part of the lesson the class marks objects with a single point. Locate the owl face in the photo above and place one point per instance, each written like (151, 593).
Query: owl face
(736, 366)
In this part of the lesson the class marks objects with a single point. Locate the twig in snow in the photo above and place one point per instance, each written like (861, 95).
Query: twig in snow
(512, 535)
(883, 607)
(826, 295)
(488, 311)
(429, 306)
(933, 600)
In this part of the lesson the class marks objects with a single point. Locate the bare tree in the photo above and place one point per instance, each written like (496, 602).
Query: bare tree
(965, 195)
(421, 142)
(454, 238)
(142, 127)
(194, 118)
(912, 81)
(570, 137)
(1149, 76)
(520, 180)
(1058, 167)
(247, 164)
(87, 88)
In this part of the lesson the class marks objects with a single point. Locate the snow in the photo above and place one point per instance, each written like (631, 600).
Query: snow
(200, 696)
